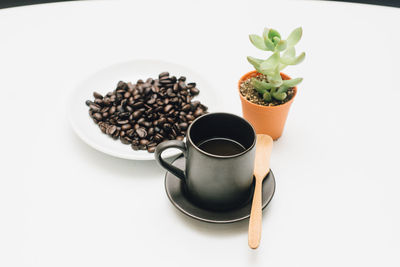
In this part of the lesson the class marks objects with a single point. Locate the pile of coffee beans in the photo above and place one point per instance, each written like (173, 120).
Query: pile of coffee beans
(147, 113)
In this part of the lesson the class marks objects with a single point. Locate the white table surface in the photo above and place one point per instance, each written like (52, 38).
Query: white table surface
(337, 165)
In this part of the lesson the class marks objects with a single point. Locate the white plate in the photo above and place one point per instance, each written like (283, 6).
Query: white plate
(105, 81)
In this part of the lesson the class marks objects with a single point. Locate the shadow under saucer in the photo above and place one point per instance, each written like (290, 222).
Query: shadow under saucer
(178, 197)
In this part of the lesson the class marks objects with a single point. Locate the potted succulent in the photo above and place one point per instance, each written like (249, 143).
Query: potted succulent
(266, 93)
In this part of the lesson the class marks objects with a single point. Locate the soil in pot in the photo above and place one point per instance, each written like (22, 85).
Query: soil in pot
(248, 91)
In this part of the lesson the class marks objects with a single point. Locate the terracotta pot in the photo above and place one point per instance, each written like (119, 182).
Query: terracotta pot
(265, 119)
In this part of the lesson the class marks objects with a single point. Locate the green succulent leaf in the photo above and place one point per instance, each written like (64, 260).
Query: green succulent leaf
(290, 52)
(294, 60)
(261, 86)
(288, 56)
(281, 45)
(265, 33)
(273, 33)
(281, 67)
(275, 79)
(283, 88)
(295, 36)
(276, 40)
(279, 96)
(299, 59)
(255, 62)
(258, 86)
(268, 43)
(292, 82)
(270, 63)
(258, 42)
(267, 97)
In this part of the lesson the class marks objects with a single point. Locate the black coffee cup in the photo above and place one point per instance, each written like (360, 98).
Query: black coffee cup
(219, 153)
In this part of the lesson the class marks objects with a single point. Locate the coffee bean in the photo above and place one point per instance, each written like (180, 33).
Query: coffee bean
(126, 127)
(129, 109)
(167, 127)
(123, 102)
(147, 124)
(97, 95)
(135, 147)
(191, 85)
(120, 108)
(103, 127)
(183, 125)
(124, 115)
(182, 85)
(180, 138)
(131, 87)
(98, 101)
(88, 102)
(137, 105)
(165, 82)
(141, 132)
(111, 130)
(167, 108)
(198, 113)
(105, 109)
(203, 107)
(137, 114)
(162, 120)
(95, 107)
(190, 117)
(97, 116)
(158, 137)
(151, 101)
(116, 134)
(147, 90)
(194, 91)
(143, 142)
(130, 132)
(186, 107)
(142, 147)
(163, 74)
(120, 84)
(121, 122)
(151, 149)
(126, 140)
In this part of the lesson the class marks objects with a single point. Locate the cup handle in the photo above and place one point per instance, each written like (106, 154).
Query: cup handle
(169, 167)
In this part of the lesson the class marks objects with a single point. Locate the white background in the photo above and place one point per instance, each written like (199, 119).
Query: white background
(337, 200)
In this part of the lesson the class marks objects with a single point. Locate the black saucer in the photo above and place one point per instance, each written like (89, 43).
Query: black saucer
(175, 191)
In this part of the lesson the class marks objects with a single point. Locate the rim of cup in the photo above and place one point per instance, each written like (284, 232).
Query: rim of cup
(188, 136)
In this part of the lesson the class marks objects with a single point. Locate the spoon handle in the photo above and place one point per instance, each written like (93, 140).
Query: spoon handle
(256, 216)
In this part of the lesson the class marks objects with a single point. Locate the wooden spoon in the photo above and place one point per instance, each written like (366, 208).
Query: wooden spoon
(261, 169)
